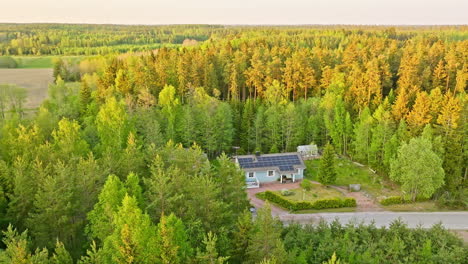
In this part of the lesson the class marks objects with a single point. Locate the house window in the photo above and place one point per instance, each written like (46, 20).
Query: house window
(251, 174)
(271, 173)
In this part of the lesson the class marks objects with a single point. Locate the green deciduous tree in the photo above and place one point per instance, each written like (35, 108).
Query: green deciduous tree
(418, 169)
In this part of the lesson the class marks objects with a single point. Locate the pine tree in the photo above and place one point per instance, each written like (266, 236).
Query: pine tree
(327, 173)
(161, 189)
(241, 236)
(61, 255)
(172, 241)
(210, 255)
(102, 215)
(16, 247)
(265, 240)
(132, 238)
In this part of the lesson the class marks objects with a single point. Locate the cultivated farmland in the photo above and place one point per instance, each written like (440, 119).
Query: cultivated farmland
(35, 81)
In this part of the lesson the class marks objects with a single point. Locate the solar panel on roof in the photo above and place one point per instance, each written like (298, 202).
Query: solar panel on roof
(283, 162)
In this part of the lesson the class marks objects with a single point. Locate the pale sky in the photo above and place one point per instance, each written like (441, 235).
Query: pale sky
(374, 12)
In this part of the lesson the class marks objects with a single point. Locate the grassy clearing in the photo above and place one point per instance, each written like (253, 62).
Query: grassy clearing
(428, 206)
(351, 173)
(40, 62)
(34, 62)
(317, 192)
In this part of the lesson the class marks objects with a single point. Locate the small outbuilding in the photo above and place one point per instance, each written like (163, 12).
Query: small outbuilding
(308, 151)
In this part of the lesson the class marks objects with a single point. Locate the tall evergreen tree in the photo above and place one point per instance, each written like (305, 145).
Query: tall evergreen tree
(327, 172)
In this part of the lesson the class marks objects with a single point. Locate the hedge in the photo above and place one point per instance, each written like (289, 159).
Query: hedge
(303, 205)
(392, 200)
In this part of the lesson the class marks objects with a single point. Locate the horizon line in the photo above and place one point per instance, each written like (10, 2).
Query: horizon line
(231, 24)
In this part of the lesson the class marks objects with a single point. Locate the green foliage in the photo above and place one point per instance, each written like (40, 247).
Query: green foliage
(7, 62)
(265, 240)
(210, 255)
(306, 185)
(259, 88)
(303, 205)
(133, 236)
(392, 200)
(172, 241)
(418, 169)
(327, 172)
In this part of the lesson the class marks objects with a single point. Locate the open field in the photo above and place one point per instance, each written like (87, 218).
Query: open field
(40, 62)
(36, 82)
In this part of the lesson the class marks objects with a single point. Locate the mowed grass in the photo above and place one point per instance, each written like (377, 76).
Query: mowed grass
(317, 192)
(349, 172)
(427, 206)
(35, 81)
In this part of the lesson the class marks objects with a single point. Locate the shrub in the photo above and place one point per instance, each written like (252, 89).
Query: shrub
(275, 198)
(303, 205)
(349, 202)
(392, 200)
(286, 192)
(328, 203)
(7, 62)
(306, 185)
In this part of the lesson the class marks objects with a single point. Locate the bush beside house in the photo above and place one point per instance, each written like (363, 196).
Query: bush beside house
(303, 205)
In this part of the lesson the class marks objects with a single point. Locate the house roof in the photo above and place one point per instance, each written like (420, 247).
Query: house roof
(282, 162)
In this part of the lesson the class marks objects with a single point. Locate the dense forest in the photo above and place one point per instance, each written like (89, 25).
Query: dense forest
(66, 39)
(130, 163)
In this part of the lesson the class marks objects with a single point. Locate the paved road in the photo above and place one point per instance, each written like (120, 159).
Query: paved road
(451, 220)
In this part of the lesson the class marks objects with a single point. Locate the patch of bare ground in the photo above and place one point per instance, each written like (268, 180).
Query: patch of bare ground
(364, 203)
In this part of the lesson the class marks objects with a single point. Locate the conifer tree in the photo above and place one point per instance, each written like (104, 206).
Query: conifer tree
(327, 173)
(85, 96)
(133, 236)
(241, 237)
(172, 241)
(210, 255)
(265, 240)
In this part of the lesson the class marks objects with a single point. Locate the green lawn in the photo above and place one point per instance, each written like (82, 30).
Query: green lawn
(317, 192)
(330, 210)
(351, 173)
(427, 206)
(39, 62)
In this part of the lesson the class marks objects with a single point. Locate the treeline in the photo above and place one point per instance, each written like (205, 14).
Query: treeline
(68, 39)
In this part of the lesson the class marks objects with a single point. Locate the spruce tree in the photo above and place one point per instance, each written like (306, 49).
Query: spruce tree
(327, 173)
(85, 96)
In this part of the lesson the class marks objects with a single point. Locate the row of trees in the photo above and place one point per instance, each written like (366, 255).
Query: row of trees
(63, 39)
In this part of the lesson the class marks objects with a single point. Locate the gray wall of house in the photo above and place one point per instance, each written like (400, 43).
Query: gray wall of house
(262, 176)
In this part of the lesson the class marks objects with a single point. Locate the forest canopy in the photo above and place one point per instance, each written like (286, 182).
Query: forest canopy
(128, 160)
